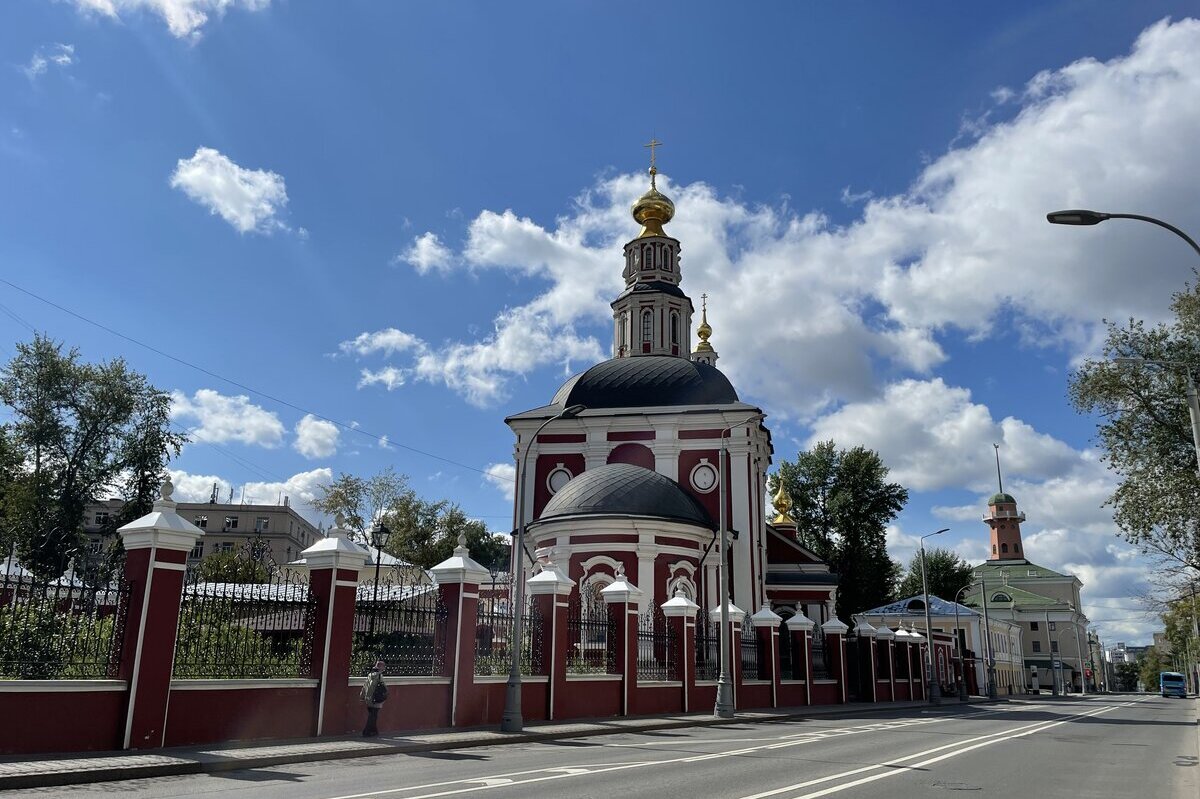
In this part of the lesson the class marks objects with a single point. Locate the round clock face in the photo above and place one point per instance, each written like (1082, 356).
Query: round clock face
(704, 477)
(557, 479)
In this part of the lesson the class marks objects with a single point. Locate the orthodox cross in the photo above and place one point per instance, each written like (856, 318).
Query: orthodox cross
(704, 301)
(653, 169)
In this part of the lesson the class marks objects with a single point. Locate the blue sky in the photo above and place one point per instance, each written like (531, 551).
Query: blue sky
(407, 217)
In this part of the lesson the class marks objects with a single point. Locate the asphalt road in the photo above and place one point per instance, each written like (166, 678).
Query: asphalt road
(1118, 747)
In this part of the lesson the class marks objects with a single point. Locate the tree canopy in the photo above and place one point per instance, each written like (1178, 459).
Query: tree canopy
(946, 573)
(78, 431)
(423, 532)
(842, 504)
(1145, 431)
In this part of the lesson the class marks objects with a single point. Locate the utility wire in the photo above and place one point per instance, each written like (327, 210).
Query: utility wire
(244, 387)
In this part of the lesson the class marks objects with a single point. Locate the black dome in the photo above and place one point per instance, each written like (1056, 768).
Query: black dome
(621, 489)
(646, 381)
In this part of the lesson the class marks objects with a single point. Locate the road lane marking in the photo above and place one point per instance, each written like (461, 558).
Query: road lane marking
(961, 747)
(555, 773)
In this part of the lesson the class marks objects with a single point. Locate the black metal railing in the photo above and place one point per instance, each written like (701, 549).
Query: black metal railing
(400, 620)
(591, 638)
(708, 647)
(791, 661)
(494, 639)
(259, 627)
(901, 661)
(656, 647)
(750, 650)
(820, 655)
(69, 627)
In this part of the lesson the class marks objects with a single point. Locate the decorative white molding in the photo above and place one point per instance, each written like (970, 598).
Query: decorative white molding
(834, 627)
(679, 605)
(594, 677)
(459, 568)
(736, 614)
(621, 590)
(492, 679)
(390, 680)
(549, 581)
(766, 618)
(800, 621)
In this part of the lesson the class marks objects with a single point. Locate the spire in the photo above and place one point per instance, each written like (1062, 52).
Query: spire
(653, 209)
(999, 479)
(704, 332)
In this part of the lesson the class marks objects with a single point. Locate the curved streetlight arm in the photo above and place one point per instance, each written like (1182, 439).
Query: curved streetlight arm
(1085, 217)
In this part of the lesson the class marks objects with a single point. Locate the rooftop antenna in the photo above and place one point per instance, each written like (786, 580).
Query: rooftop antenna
(214, 497)
(999, 479)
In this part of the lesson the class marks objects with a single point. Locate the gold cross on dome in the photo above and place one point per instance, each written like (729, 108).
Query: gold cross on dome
(652, 144)
(704, 301)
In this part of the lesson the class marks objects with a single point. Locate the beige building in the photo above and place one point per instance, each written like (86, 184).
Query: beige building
(1043, 602)
(226, 526)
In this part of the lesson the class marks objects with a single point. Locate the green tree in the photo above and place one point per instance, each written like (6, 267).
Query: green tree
(1151, 664)
(1127, 676)
(842, 504)
(231, 567)
(1144, 430)
(423, 532)
(78, 431)
(947, 574)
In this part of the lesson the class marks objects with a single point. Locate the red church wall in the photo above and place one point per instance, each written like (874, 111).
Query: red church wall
(212, 715)
(826, 693)
(545, 464)
(694, 434)
(656, 699)
(634, 454)
(410, 706)
(792, 694)
(73, 721)
(688, 460)
(484, 702)
(588, 699)
(753, 695)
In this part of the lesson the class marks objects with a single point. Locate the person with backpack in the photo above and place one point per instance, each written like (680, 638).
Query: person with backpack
(374, 694)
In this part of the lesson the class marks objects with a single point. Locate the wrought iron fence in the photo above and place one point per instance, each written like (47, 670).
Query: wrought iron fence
(749, 650)
(708, 647)
(400, 620)
(245, 618)
(791, 662)
(591, 637)
(900, 658)
(883, 662)
(69, 627)
(656, 647)
(494, 640)
(820, 655)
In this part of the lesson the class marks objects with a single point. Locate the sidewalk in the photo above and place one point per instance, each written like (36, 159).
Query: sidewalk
(72, 769)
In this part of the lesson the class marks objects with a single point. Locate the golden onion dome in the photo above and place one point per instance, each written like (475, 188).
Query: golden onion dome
(704, 331)
(653, 210)
(783, 503)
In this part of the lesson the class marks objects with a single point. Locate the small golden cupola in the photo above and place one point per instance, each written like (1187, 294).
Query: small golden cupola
(653, 209)
(783, 504)
(704, 350)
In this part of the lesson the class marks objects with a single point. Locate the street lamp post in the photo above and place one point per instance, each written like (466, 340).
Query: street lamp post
(986, 637)
(724, 705)
(1082, 217)
(512, 721)
(379, 538)
(958, 649)
(935, 691)
(1050, 652)
(1079, 652)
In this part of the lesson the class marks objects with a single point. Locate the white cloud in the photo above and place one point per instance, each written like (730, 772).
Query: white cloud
(503, 476)
(198, 487)
(59, 55)
(222, 418)
(184, 18)
(933, 436)
(249, 199)
(966, 242)
(388, 342)
(316, 438)
(389, 377)
(428, 254)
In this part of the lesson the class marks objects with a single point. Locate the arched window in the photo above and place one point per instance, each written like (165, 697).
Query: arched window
(675, 328)
(647, 326)
(993, 549)
(1004, 548)
(916, 606)
(1016, 547)
(623, 332)
(1001, 598)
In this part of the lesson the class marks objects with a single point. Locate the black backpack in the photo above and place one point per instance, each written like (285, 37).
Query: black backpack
(381, 693)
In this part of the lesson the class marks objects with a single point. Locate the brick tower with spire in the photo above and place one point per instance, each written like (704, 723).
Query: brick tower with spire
(1004, 520)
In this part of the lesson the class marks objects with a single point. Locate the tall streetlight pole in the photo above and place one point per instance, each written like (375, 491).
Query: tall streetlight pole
(986, 637)
(379, 538)
(934, 690)
(511, 721)
(1079, 652)
(724, 706)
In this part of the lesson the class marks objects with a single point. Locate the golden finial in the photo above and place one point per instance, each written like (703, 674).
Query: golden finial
(653, 209)
(705, 330)
(783, 503)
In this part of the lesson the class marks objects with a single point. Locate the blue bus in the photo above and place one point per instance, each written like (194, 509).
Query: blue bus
(1172, 683)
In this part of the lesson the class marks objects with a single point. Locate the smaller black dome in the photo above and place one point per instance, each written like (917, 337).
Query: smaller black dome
(621, 489)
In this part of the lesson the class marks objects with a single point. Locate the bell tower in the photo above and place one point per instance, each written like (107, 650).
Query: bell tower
(652, 316)
(1005, 521)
